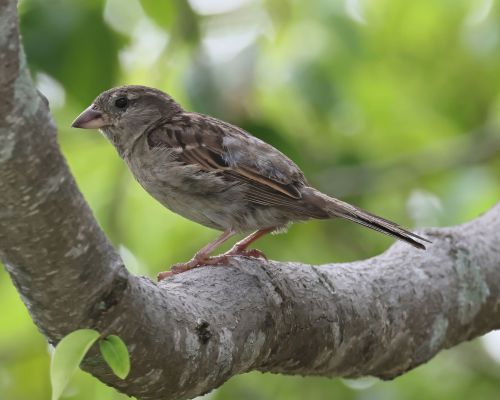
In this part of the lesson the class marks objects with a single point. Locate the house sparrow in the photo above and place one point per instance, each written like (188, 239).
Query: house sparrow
(214, 173)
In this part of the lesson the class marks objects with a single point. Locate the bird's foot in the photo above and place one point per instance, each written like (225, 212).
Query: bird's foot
(254, 253)
(193, 263)
(179, 268)
(197, 262)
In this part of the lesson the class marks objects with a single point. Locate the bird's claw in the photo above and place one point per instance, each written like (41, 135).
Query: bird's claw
(194, 263)
(215, 260)
(253, 253)
(164, 275)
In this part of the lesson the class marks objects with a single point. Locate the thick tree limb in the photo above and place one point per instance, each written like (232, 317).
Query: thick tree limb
(381, 316)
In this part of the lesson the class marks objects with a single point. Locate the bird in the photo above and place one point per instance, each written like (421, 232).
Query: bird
(215, 173)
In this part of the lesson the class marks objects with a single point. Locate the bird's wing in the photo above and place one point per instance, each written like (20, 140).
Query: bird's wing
(213, 145)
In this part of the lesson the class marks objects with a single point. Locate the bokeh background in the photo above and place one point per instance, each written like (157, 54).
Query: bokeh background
(391, 105)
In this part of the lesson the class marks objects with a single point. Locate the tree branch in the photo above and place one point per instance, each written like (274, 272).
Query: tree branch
(189, 334)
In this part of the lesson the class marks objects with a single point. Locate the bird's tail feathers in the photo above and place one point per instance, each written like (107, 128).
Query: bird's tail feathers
(337, 208)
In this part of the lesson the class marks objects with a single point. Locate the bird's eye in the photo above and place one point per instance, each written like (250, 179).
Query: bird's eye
(121, 102)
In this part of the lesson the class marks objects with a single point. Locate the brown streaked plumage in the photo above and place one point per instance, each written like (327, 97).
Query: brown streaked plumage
(214, 173)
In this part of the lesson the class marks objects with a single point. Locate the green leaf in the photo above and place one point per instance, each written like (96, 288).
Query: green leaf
(67, 356)
(115, 353)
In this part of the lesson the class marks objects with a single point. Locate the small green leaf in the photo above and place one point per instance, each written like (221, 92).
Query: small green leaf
(67, 356)
(115, 353)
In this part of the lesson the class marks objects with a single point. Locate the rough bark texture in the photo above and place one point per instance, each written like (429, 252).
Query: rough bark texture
(186, 336)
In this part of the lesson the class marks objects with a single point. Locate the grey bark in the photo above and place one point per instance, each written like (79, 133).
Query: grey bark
(382, 316)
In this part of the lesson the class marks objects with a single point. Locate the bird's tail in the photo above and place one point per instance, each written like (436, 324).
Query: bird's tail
(337, 208)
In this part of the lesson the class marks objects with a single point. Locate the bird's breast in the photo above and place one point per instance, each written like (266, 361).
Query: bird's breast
(187, 190)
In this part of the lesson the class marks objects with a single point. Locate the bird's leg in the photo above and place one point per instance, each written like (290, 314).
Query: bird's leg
(240, 248)
(201, 256)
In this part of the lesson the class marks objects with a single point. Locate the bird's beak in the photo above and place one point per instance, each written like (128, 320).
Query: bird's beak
(91, 118)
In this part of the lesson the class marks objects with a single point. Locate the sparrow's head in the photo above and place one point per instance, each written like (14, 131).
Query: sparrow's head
(124, 113)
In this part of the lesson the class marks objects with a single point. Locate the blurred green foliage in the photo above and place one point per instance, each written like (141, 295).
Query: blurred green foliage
(391, 105)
